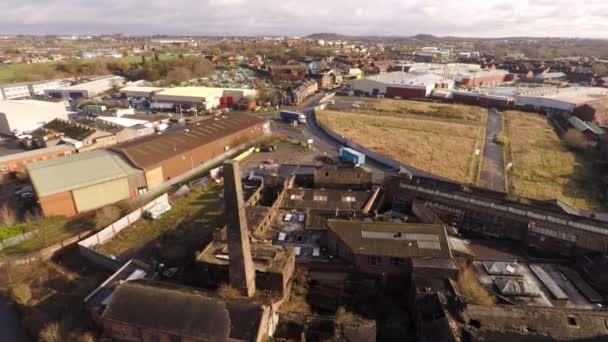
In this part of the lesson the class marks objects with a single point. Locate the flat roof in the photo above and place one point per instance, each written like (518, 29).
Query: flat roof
(141, 89)
(393, 239)
(77, 171)
(574, 95)
(26, 106)
(198, 92)
(151, 150)
(404, 78)
(122, 121)
(266, 258)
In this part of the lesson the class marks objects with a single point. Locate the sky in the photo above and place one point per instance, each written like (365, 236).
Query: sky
(466, 18)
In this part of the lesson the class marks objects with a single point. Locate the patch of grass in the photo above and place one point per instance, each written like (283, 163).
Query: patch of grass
(501, 138)
(442, 148)
(9, 232)
(470, 287)
(427, 110)
(544, 168)
(192, 218)
(50, 230)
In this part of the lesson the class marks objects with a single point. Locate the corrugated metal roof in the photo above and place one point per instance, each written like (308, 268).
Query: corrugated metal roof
(32, 153)
(77, 171)
(151, 150)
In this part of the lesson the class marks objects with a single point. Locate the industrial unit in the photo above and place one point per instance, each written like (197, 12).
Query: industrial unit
(85, 181)
(167, 156)
(559, 99)
(28, 115)
(204, 97)
(22, 90)
(11, 164)
(89, 89)
(400, 84)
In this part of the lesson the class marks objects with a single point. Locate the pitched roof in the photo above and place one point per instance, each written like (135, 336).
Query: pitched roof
(183, 311)
(392, 239)
(78, 170)
(149, 151)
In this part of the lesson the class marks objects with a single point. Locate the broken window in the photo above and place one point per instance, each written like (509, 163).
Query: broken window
(397, 261)
(349, 199)
(320, 198)
(374, 260)
(296, 196)
(572, 322)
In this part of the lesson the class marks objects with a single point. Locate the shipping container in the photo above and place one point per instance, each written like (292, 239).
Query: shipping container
(292, 116)
(347, 154)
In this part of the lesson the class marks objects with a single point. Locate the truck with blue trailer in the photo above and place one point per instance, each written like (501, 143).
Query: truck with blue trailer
(290, 116)
(349, 155)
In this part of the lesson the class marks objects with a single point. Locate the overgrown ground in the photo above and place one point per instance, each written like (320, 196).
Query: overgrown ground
(544, 168)
(438, 138)
(177, 234)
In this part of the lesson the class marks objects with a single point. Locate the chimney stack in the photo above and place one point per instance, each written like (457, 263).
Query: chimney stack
(241, 268)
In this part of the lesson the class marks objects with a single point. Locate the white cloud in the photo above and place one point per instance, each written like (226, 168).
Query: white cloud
(358, 17)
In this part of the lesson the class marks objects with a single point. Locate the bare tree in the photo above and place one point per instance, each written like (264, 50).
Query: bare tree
(8, 217)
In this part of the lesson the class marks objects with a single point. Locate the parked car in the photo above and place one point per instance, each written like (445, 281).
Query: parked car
(267, 148)
(23, 190)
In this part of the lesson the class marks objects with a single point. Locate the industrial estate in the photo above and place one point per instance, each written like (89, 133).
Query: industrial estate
(320, 188)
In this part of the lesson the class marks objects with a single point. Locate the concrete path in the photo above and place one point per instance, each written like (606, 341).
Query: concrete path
(492, 169)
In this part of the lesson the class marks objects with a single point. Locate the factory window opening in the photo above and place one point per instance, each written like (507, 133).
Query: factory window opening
(572, 322)
(374, 260)
(397, 261)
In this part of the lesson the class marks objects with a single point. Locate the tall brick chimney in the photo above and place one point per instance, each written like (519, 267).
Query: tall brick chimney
(241, 269)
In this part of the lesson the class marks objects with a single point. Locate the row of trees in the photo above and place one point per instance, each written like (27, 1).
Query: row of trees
(152, 69)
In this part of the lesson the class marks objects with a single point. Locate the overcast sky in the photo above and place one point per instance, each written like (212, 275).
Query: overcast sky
(473, 18)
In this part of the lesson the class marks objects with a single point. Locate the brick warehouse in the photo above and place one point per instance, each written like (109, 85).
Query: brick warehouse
(102, 177)
(164, 157)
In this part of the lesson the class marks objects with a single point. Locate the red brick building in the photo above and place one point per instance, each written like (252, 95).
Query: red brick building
(594, 111)
(14, 163)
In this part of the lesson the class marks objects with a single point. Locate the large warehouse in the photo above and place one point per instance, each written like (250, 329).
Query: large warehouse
(88, 89)
(205, 97)
(400, 84)
(28, 115)
(164, 157)
(81, 182)
(559, 99)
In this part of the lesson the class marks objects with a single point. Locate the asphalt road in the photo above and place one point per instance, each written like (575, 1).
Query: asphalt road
(492, 169)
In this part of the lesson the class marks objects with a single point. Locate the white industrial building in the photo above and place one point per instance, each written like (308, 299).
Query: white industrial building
(137, 91)
(558, 99)
(400, 84)
(205, 97)
(88, 89)
(28, 115)
(13, 91)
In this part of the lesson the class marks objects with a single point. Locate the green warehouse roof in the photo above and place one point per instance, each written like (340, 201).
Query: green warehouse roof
(77, 171)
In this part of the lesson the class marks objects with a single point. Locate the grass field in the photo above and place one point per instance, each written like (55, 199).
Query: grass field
(543, 168)
(179, 232)
(423, 110)
(437, 138)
